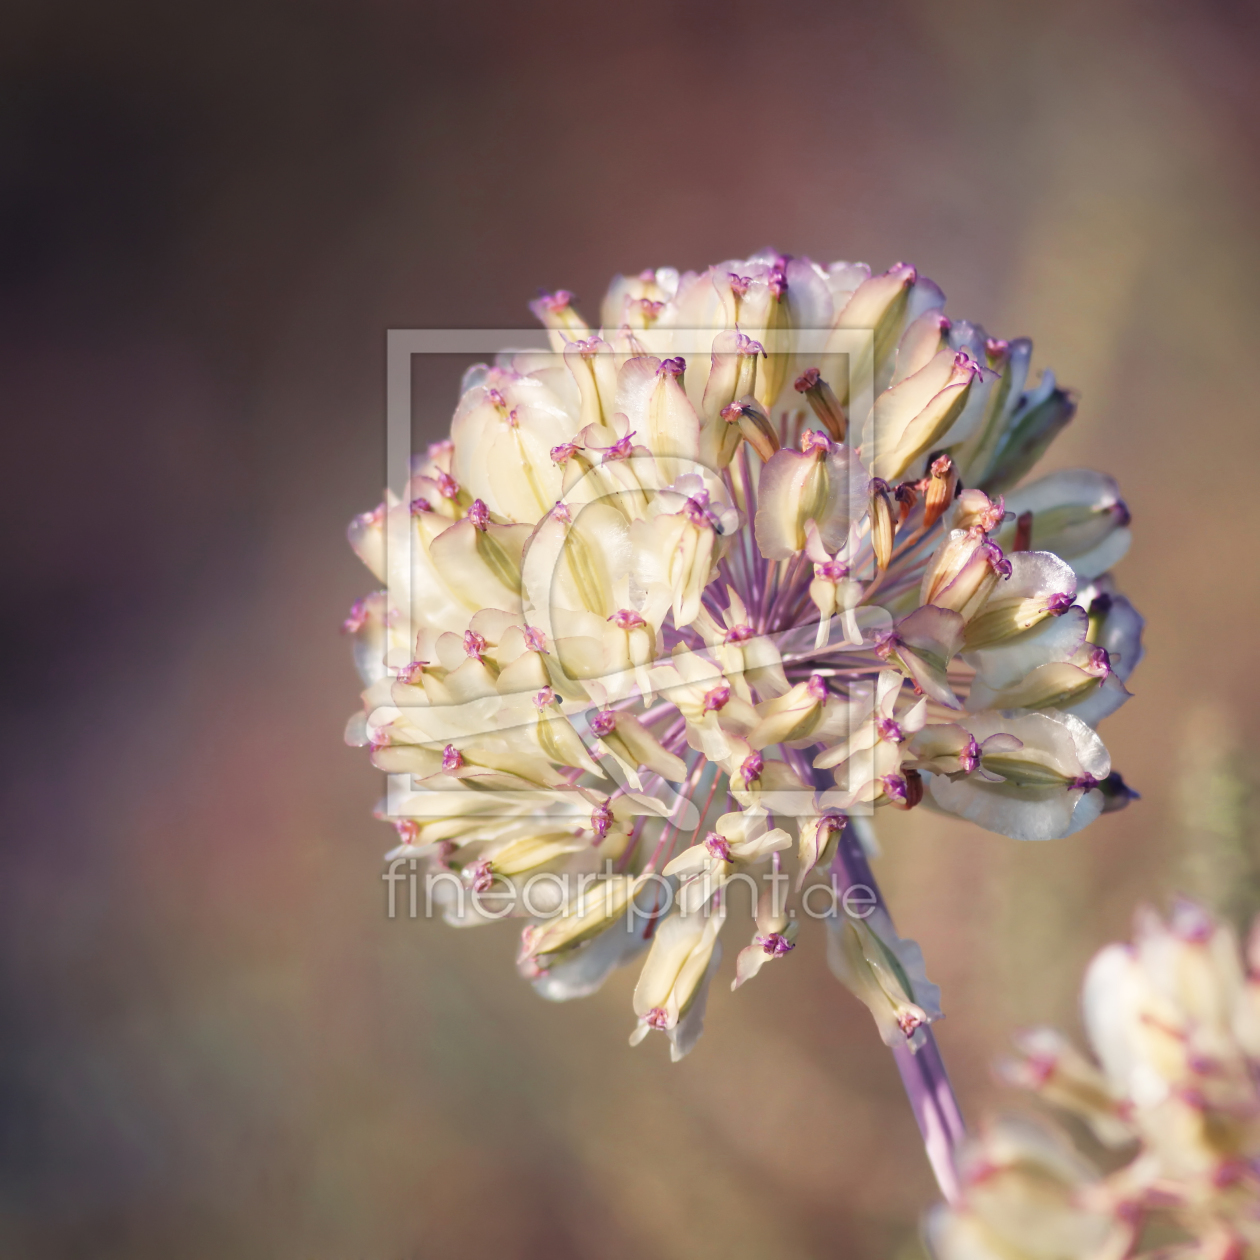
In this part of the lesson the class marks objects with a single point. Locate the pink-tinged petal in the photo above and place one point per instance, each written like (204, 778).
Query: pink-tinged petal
(581, 972)
(1040, 585)
(1021, 813)
(1054, 639)
(1115, 625)
(797, 487)
(916, 415)
(1077, 514)
(926, 641)
(1102, 702)
(657, 409)
(920, 343)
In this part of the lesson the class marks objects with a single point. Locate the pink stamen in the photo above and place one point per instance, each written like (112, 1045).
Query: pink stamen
(556, 302)
(603, 723)
(895, 787)
(452, 758)
(474, 644)
(536, 640)
(357, 619)
(479, 515)
(627, 619)
(481, 876)
(420, 505)
(718, 845)
(447, 486)
(622, 448)
(601, 820)
(716, 699)
(408, 829)
(775, 944)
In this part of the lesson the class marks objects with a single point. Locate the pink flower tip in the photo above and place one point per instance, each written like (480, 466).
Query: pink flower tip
(775, 944)
(479, 515)
(603, 723)
(481, 876)
(601, 820)
(815, 440)
(672, 367)
(717, 698)
(555, 302)
(718, 845)
(627, 619)
(452, 758)
(357, 619)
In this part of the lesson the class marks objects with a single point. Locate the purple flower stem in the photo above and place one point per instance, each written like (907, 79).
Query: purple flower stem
(923, 1074)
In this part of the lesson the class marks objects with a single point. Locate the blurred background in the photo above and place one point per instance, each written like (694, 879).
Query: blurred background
(215, 1043)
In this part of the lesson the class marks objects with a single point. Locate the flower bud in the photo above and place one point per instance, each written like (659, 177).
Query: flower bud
(754, 426)
(822, 398)
(675, 978)
(597, 905)
(963, 572)
(882, 527)
(938, 493)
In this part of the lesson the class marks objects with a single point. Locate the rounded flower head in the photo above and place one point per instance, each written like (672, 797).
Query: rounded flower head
(754, 557)
(1174, 1020)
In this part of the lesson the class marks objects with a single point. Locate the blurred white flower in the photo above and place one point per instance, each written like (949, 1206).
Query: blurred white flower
(1174, 1019)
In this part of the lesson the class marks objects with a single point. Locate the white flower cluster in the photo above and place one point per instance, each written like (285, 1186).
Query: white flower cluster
(742, 555)
(1174, 1020)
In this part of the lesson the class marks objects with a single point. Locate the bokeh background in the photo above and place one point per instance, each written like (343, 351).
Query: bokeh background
(214, 1042)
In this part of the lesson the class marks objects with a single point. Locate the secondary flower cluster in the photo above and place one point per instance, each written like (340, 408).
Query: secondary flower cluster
(1174, 1020)
(746, 563)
